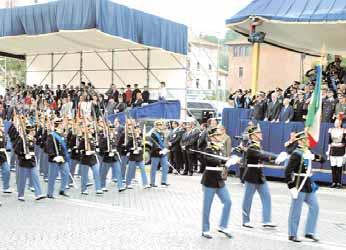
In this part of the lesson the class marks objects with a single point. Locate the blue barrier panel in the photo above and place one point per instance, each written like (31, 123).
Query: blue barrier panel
(274, 137)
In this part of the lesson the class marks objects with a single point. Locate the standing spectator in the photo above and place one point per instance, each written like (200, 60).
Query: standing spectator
(238, 99)
(146, 95)
(341, 106)
(286, 113)
(128, 94)
(260, 108)
(134, 93)
(162, 91)
(274, 108)
(58, 92)
(114, 93)
(328, 107)
(225, 140)
(299, 108)
(66, 109)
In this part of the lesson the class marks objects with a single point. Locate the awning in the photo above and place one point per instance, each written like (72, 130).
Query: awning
(304, 26)
(86, 25)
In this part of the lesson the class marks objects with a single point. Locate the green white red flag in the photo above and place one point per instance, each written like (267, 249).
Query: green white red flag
(313, 119)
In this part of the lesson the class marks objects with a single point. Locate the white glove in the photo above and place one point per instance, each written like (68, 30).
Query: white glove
(281, 158)
(163, 151)
(58, 159)
(232, 161)
(110, 154)
(89, 152)
(128, 154)
(97, 150)
(27, 156)
(294, 193)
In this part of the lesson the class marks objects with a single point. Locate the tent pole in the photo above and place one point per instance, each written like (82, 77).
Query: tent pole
(81, 68)
(148, 67)
(112, 70)
(52, 71)
(255, 68)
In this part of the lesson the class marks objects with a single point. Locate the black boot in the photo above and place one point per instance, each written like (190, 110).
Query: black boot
(339, 180)
(334, 175)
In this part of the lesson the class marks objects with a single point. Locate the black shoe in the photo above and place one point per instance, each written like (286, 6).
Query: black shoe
(50, 196)
(63, 194)
(153, 185)
(41, 197)
(190, 174)
(311, 237)
(338, 186)
(294, 239)
(89, 184)
(207, 235)
(184, 173)
(164, 184)
(333, 185)
(225, 232)
(248, 225)
(122, 190)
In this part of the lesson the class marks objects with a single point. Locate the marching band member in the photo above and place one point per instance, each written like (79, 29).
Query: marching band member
(135, 149)
(158, 155)
(110, 159)
(58, 159)
(254, 178)
(5, 169)
(24, 149)
(336, 152)
(213, 182)
(302, 188)
(87, 149)
(121, 148)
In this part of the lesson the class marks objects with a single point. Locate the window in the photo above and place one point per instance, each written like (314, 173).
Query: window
(198, 65)
(241, 72)
(241, 51)
(247, 50)
(235, 51)
(209, 66)
(209, 84)
(219, 83)
(197, 83)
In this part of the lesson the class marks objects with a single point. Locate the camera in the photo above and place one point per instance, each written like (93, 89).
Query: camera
(257, 37)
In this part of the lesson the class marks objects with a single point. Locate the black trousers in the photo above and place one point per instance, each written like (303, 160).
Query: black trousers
(177, 159)
(191, 163)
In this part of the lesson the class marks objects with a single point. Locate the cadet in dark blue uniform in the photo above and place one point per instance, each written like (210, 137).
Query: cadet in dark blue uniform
(298, 176)
(213, 182)
(58, 159)
(24, 149)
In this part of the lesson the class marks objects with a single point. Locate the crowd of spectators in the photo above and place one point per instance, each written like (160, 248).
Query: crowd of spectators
(292, 103)
(68, 101)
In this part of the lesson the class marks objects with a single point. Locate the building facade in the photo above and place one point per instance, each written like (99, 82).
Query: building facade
(205, 78)
(277, 67)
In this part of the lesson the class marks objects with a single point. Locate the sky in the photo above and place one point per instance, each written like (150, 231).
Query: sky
(207, 16)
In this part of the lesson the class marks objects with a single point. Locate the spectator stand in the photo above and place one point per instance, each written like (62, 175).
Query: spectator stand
(274, 137)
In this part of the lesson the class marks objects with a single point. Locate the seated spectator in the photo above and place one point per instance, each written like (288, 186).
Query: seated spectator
(286, 113)
(121, 106)
(113, 92)
(139, 100)
(111, 106)
(146, 95)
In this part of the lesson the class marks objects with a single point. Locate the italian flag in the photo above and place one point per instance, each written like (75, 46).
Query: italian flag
(313, 119)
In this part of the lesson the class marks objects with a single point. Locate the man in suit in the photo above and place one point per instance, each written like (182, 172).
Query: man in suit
(286, 113)
(274, 108)
(174, 144)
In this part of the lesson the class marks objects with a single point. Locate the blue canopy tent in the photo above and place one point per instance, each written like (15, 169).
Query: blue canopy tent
(81, 25)
(303, 26)
(61, 39)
